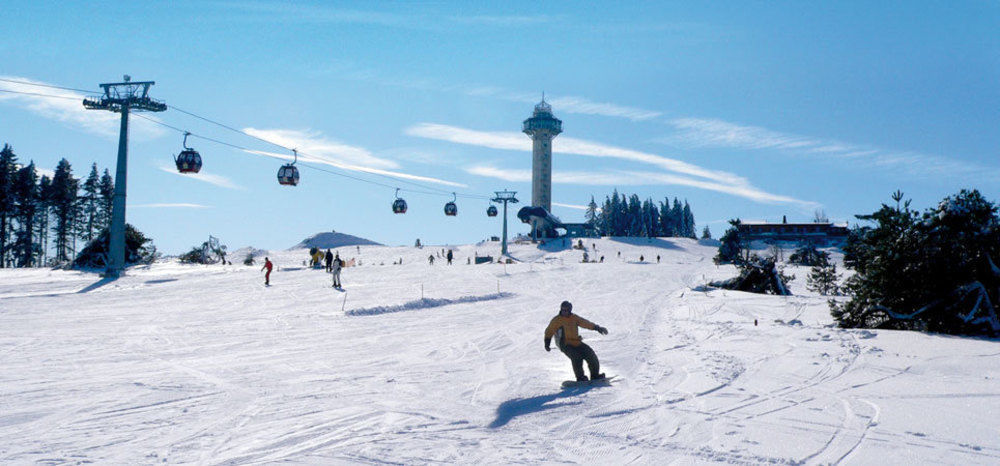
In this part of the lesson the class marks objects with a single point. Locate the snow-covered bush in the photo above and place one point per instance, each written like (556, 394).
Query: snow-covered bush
(758, 276)
(808, 255)
(935, 272)
(138, 250)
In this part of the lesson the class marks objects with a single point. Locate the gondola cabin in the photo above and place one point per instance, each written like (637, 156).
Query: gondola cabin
(288, 175)
(399, 206)
(450, 209)
(491, 211)
(188, 161)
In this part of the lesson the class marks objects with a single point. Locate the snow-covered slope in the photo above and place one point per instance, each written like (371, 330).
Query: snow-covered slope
(331, 240)
(417, 363)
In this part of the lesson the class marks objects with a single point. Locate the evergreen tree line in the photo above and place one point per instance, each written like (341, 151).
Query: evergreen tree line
(623, 215)
(42, 215)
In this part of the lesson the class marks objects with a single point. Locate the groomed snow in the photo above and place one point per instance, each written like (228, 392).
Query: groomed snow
(416, 364)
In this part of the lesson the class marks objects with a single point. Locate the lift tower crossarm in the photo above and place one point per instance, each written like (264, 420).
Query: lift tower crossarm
(505, 197)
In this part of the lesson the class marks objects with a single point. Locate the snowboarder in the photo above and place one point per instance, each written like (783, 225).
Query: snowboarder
(430, 259)
(329, 261)
(450, 256)
(267, 276)
(564, 328)
(657, 258)
(337, 266)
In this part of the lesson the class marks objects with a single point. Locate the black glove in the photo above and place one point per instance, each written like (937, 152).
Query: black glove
(601, 330)
(547, 341)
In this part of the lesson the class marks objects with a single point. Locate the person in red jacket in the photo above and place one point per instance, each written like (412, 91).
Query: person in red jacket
(565, 328)
(268, 266)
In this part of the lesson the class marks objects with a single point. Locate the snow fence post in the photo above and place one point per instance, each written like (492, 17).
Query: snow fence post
(342, 306)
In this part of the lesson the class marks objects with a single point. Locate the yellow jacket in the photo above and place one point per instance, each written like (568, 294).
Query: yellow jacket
(571, 335)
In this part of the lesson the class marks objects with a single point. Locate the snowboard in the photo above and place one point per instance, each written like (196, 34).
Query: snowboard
(589, 383)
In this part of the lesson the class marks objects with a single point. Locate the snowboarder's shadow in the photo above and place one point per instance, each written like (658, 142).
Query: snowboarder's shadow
(519, 406)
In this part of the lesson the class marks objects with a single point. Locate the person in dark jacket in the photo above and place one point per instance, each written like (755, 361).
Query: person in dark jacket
(329, 261)
(565, 328)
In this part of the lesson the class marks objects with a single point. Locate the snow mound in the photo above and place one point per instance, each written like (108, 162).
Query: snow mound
(332, 239)
(425, 303)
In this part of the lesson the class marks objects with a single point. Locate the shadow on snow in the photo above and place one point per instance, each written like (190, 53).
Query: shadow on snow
(520, 406)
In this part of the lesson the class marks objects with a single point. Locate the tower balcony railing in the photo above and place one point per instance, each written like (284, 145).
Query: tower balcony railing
(539, 124)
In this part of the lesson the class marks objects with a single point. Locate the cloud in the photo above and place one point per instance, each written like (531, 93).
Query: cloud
(714, 133)
(321, 148)
(67, 107)
(518, 141)
(640, 178)
(570, 206)
(305, 13)
(179, 205)
(344, 166)
(209, 178)
(561, 104)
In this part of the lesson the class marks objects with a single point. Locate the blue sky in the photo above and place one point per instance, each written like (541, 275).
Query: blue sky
(746, 109)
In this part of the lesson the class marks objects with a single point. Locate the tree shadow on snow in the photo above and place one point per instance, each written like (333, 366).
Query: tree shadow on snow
(520, 406)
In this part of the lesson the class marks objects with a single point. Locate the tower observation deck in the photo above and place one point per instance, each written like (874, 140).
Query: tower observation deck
(542, 127)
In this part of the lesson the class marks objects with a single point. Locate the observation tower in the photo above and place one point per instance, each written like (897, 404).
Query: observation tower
(541, 127)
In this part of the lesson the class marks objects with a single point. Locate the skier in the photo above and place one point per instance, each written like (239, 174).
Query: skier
(450, 256)
(329, 261)
(267, 276)
(430, 259)
(657, 258)
(337, 266)
(642, 258)
(564, 328)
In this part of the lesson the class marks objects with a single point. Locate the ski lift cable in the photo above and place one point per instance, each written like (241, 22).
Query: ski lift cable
(304, 164)
(427, 189)
(40, 94)
(396, 179)
(29, 83)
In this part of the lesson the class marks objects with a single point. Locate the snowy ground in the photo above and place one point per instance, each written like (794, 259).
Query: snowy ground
(195, 364)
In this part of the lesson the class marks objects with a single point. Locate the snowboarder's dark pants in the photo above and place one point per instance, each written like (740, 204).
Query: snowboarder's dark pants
(577, 354)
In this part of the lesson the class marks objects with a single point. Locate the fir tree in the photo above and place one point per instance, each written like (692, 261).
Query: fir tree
(106, 192)
(8, 167)
(90, 224)
(42, 216)
(935, 272)
(823, 279)
(666, 224)
(64, 203)
(706, 233)
(591, 213)
(689, 227)
(25, 194)
(733, 249)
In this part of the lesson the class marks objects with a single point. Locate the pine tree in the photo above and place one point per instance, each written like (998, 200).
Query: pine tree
(64, 203)
(666, 225)
(90, 225)
(106, 191)
(706, 233)
(42, 216)
(689, 227)
(677, 218)
(633, 215)
(733, 249)
(25, 196)
(823, 279)
(8, 166)
(591, 213)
